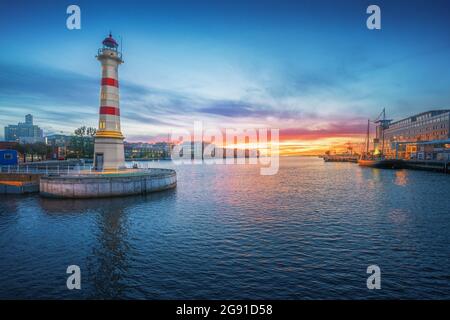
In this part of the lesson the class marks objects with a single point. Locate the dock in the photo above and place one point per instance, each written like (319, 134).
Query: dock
(428, 165)
(19, 183)
(424, 165)
(340, 158)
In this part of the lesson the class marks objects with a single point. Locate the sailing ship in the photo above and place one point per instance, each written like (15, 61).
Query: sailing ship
(376, 159)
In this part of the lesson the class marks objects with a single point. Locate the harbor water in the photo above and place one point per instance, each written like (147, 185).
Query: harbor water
(227, 232)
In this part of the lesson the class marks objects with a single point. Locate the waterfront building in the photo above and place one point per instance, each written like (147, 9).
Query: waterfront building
(24, 132)
(142, 150)
(424, 136)
(108, 146)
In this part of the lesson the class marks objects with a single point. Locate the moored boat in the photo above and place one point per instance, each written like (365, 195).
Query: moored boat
(382, 163)
(375, 158)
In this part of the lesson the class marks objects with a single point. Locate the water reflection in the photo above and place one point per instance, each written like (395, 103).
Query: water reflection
(86, 206)
(229, 233)
(107, 264)
(401, 178)
(106, 269)
(398, 215)
(10, 206)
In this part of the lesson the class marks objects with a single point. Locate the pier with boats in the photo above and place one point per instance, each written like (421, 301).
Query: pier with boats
(419, 142)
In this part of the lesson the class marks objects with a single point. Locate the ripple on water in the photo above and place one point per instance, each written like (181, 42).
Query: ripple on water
(227, 232)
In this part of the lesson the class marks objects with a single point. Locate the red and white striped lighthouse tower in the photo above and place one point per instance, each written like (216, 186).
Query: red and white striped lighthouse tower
(108, 148)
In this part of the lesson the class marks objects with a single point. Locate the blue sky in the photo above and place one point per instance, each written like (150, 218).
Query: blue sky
(311, 68)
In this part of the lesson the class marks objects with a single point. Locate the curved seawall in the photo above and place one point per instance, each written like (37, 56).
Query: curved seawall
(129, 182)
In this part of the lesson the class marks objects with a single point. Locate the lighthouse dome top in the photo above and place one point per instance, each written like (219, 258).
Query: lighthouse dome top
(110, 42)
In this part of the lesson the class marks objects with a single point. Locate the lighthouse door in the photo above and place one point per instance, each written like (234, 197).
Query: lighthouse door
(98, 162)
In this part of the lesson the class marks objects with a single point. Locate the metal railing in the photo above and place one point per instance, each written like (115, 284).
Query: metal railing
(101, 51)
(46, 169)
(64, 169)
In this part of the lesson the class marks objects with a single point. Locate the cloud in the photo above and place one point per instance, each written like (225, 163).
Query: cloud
(61, 101)
(46, 83)
(347, 128)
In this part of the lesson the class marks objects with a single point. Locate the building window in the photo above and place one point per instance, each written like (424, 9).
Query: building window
(102, 125)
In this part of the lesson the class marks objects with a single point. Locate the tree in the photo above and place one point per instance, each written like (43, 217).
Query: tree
(21, 149)
(91, 131)
(39, 149)
(82, 143)
(28, 149)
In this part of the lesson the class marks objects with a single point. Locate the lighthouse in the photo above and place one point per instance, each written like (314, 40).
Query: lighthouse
(108, 146)
(108, 149)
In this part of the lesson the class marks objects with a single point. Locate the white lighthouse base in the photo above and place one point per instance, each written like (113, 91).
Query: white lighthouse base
(109, 154)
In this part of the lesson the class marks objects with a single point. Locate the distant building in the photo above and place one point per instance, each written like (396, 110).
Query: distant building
(60, 144)
(142, 150)
(58, 140)
(424, 136)
(9, 145)
(24, 132)
(206, 150)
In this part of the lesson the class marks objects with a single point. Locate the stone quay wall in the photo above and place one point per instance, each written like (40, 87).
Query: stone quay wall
(130, 182)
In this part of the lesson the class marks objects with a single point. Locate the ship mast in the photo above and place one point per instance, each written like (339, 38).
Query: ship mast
(367, 138)
(383, 124)
(382, 132)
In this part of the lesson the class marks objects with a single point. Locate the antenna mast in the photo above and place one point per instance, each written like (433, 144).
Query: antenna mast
(121, 46)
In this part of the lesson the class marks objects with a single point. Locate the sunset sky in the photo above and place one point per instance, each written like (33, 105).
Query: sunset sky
(310, 68)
